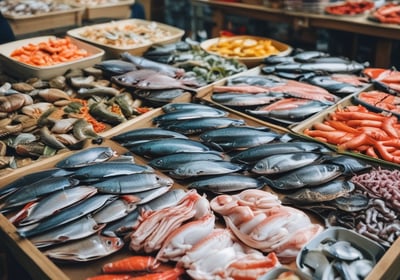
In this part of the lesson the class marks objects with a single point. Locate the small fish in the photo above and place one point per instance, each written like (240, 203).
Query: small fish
(200, 125)
(158, 148)
(87, 249)
(67, 215)
(178, 106)
(325, 192)
(148, 133)
(189, 114)
(245, 99)
(311, 175)
(117, 209)
(78, 229)
(172, 161)
(227, 183)
(133, 183)
(86, 157)
(204, 168)
(284, 162)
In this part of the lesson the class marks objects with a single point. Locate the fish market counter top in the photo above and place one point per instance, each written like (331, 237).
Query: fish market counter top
(359, 25)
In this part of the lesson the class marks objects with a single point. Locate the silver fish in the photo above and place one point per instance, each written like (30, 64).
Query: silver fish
(205, 168)
(81, 228)
(67, 215)
(227, 183)
(87, 249)
(245, 99)
(133, 183)
(325, 192)
(148, 133)
(255, 154)
(284, 162)
(158, 148)
(147, 196)
(86, 157)
(186, 114)
(200, 125)
(54, 202)
(170, 198)
(178, 106)
(34, 191)
(117, 209)
(170, 162)
(123, 226)
(311, 175)
(107, 169)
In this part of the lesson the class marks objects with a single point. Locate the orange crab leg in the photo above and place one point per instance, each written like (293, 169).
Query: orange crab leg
(110, 277)
(129, 264)
(171, 274)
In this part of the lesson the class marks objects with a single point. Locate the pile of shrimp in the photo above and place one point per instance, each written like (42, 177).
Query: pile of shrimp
(50, 52)
(355, 128)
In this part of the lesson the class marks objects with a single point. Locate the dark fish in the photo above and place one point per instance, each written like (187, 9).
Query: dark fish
(177, 106)
(305, 56)
(256, 80)
(204, 168)
(254, 154)
(158, 148)
(308, 176)
(86, 157)
(170, 162)
(276, 59)
(352, 202)
(186, 114)
(322, 193)
(162, 96)
(31, 178)
(67, 215)
(133, 183)
(200, 125)
(350, 164)
(114, 67)
(332, 85)
(123, 226)
(144, 63)
(103, 170)
(284, 162)
(147, 133)
(32, 192)
(227, 183)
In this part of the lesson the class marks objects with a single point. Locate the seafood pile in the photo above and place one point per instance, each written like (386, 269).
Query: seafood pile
(338, 75)
(350, 8)
(272, 98)
(189, 56)
(357, 129)
(338, 253)
(122, 34)
(69, 205)
(41, 118)
(50, 52)
(384, 79)
(27, 8)
(388, 13)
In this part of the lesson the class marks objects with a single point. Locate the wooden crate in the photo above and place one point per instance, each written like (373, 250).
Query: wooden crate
(46, 21)
(121, 10)
(40, 267)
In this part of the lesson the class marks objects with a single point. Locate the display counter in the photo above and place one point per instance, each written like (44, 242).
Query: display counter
(385, 34)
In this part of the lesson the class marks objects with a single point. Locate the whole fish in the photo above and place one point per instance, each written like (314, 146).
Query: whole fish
(200, 125)
(170, 162)
(158, 148)
(350, 164)
(78, 229)
(205, 168)
(162, 96)
(147, 133)
(307, 176)
(170, 198)
(255, 154)
(87, 249)
(30, 178)
(144, 63)
(256, 80)
(53, 203)
(123, 226)
(34, 191)
(67, 215)
(291, 109)
(186, 114)
(284, 162)
(86, 157)
(177, 106)
(325, 192)
(112, 67)
(117, 209)
(103, 170)
(331, 85)
(245, 99)
(227, 183)
(133, 183)
(149, 195)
